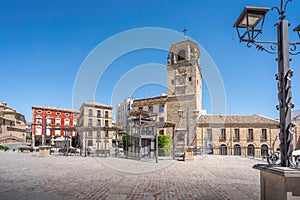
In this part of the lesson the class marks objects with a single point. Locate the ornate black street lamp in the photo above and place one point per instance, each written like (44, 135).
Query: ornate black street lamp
(251, 21)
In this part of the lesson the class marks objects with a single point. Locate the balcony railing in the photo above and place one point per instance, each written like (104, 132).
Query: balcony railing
(263, 139)
(236, 139)
(222, 139)
(249, 139)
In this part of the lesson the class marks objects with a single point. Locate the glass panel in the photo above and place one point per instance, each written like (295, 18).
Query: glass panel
(253, 20)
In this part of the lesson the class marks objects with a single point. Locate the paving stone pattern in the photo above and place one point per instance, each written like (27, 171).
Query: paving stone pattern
(28, 176)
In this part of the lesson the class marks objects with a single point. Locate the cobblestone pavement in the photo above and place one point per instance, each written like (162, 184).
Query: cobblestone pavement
(28, 176)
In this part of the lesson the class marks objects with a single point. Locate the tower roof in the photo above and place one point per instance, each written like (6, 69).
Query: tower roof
(184, 43)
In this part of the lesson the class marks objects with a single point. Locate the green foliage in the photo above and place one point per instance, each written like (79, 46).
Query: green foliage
(28, 137)
(164, 142)
(124, 141)
(6, 148)
(2, 147)
(22, 149)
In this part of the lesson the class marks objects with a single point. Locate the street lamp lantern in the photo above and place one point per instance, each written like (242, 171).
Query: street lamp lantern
(248, 21)
(250, 17)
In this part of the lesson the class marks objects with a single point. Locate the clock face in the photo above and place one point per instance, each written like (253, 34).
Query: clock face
(181, 80)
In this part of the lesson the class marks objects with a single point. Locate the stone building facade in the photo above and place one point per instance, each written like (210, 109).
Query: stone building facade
(184, 101)
(248, 135)
(155, 105)
(245, 135)
(122, 110)
(296, 135)
(96, 126)
(12, 125)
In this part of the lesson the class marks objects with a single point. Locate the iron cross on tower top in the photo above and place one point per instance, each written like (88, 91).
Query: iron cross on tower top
(184, 32)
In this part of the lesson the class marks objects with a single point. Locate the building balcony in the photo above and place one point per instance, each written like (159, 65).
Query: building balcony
(249, 139)
(221, 139)
(263, 139)
(98, 116)
(236, 139)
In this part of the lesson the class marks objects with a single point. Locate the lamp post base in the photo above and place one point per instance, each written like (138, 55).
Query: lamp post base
(280, 183)
(188, 153)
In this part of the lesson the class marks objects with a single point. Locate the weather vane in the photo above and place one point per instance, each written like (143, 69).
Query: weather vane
(184, 31)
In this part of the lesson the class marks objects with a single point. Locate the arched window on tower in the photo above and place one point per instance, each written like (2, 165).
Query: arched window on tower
(181, 55)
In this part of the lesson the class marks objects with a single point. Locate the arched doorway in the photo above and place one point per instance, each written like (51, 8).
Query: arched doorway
(223, 149)
(250, 150)
(264, 150)
(237, 150)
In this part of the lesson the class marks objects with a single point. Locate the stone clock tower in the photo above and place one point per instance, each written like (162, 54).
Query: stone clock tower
(184, 102)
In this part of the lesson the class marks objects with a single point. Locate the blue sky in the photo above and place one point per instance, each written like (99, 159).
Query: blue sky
(44, 43)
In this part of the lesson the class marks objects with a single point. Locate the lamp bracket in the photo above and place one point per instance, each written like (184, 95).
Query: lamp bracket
(273, 46)
(293, 48)
(281, 11)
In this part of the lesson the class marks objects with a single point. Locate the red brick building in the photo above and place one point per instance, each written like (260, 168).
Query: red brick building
(53, 123)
